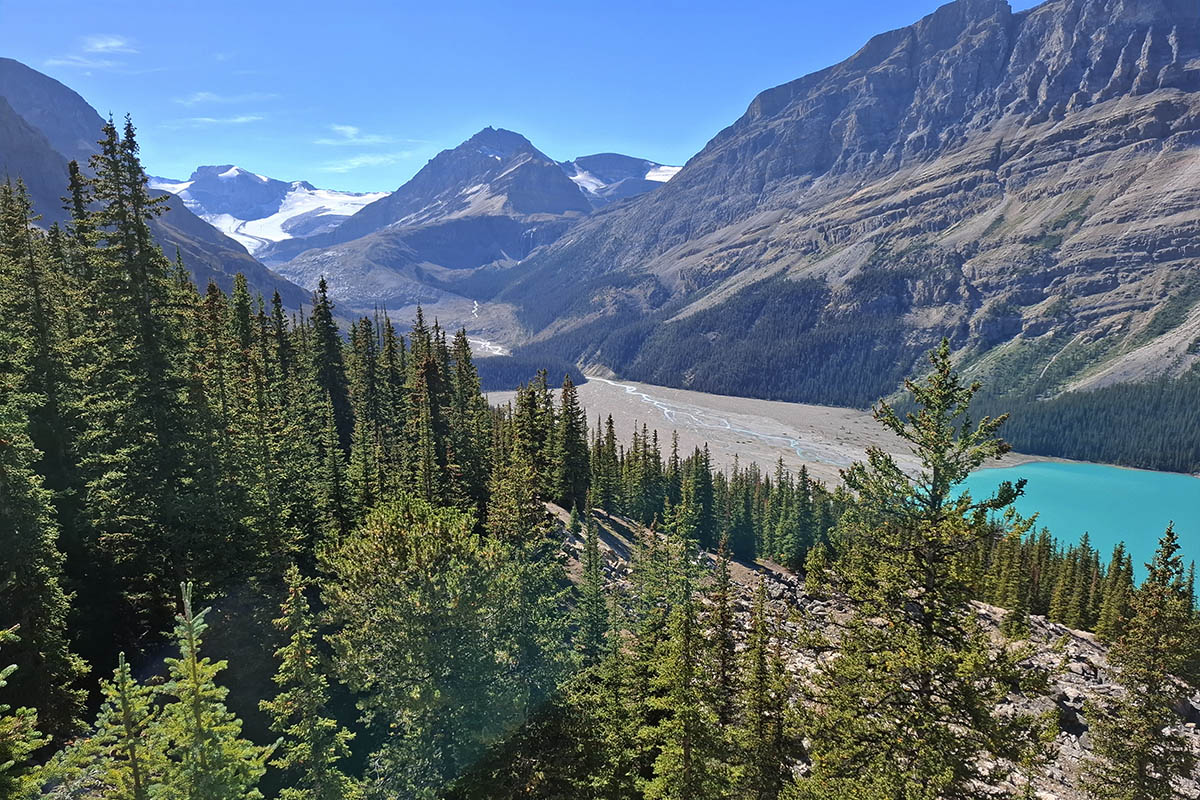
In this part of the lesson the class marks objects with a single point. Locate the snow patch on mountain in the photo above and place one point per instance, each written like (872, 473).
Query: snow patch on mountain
(607, 177)
(299, 205)
(662, 174)
(296, 210)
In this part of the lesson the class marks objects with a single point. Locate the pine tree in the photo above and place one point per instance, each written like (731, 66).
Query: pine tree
(312, 743)
(329, 365)
(571, 459)
(721, 643)
(1139, 756)
(761, 734)
(591, 612)
(126, 753)
(908, 707)
(413, 595)
(606, 724)
(19, 735)
(31, 566)
(1119, 587)
(469, 429)
(151, 485)
(209, 758)
(687, 763)
(364, 477)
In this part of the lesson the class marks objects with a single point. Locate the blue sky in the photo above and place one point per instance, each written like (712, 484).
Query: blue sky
(358, 95)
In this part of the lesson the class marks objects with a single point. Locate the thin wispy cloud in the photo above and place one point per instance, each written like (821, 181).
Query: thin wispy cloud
(199, 122)
(352, 135)
(205, 98)
(96, 52)
(107, 43)
(365, 160)
(81, 62)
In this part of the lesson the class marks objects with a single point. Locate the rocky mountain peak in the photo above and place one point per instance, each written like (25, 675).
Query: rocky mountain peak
(1007, 179)
(500, 144)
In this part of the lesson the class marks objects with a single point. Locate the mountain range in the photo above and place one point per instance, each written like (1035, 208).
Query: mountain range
(256, 210)
(471, 213)
(44, 124)
(1024, 183)
(467, 218)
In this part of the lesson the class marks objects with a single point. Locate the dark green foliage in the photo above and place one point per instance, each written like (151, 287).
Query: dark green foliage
(313, 744)
(209, 759)
(19, 736)
(571, 449)
(152, 434)
(1097, 425)
(1140, 754)
(31, 566)
(908, 708)
(592, 613)
(427, 608)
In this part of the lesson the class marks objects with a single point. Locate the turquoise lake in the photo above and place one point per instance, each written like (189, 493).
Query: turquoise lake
(1110, 504)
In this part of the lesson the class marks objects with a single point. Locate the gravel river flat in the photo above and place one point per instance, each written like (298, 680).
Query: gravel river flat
(823, 438)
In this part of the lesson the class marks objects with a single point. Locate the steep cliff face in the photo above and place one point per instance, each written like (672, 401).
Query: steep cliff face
(1022, 182)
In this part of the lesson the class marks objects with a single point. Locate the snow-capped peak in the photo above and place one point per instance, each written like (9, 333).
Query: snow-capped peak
(262, 210)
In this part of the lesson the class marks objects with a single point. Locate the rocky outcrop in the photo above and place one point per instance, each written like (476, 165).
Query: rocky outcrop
(1022, 182)
(1073, 663)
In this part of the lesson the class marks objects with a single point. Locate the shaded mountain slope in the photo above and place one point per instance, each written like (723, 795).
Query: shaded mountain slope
(71, 127)
(1021, 182)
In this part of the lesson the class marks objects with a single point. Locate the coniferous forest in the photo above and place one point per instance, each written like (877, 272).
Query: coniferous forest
(247, 553)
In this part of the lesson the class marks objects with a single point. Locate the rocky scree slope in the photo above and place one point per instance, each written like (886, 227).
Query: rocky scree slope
(1026, 183)
(1074, 662)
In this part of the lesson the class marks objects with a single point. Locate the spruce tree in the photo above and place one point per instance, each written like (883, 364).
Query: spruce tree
(469, 431)
(19, 735)
(688, 761)
(1118, 588)
(31, 566)
(312, 743)
(126, 752)
(412, 592)
(721, 640)
(765, 767)
(571, 459)
(591, 611)
(1157, 661)
(209, 759)
(329, 365)
(908, 708)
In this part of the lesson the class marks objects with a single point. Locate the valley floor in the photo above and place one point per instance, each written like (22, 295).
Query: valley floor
(823, 438)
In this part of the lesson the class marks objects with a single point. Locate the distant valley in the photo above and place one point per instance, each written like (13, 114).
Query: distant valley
(1019, 182)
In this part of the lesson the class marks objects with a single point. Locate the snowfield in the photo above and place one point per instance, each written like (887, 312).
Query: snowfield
(301, 201)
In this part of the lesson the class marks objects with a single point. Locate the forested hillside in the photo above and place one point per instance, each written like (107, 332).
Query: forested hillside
(245, 553)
